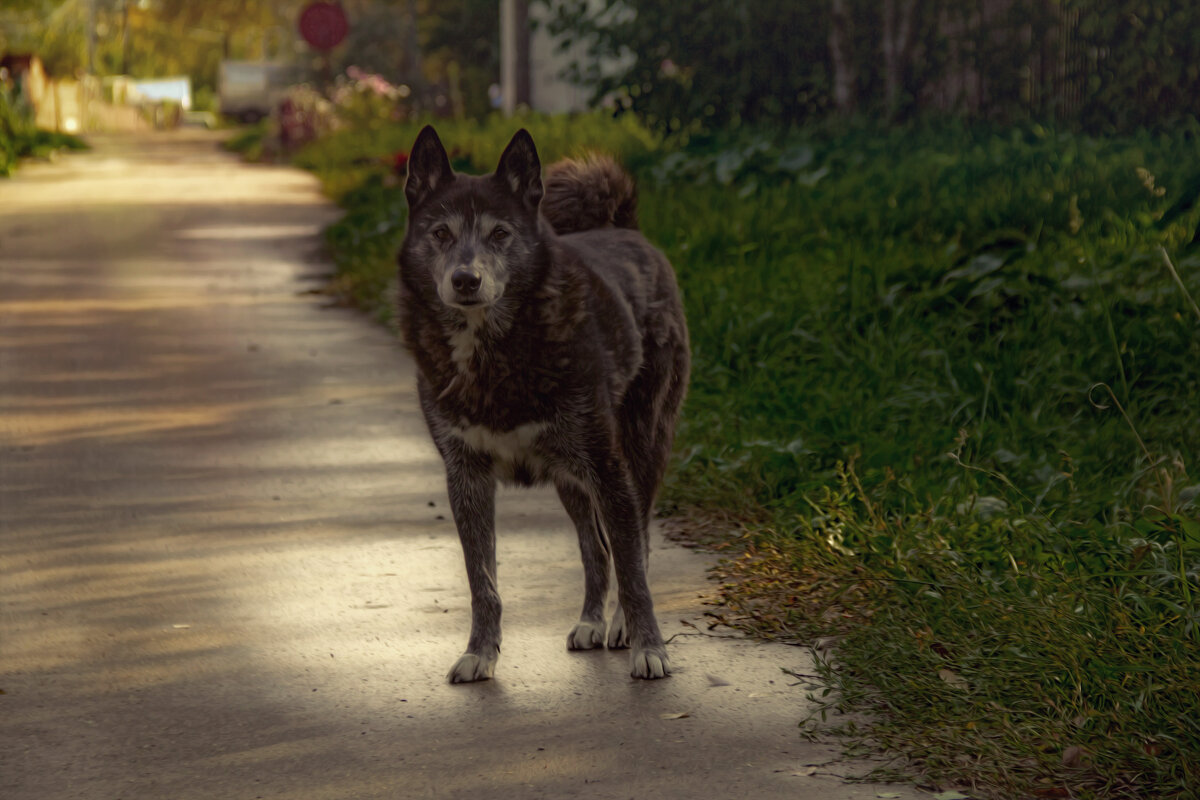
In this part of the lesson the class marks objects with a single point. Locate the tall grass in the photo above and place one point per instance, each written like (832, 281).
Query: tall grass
(951, 381)
(932, 284)
(947, 382)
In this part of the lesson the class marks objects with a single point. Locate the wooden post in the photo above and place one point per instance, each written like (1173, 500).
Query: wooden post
(514, 54)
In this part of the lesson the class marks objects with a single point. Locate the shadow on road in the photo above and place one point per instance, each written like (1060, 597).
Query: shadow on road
(228, 568)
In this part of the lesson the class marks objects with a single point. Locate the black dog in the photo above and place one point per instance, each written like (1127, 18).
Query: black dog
(551, 345)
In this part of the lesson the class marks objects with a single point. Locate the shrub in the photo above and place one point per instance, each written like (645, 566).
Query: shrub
(20, 138)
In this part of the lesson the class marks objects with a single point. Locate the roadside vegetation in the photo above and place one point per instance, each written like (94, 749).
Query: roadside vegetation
(944, 393)
(20, 138)
(946, 373)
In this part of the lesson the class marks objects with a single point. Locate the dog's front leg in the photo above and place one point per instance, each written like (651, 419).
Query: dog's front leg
(626, 526)
(472, 489)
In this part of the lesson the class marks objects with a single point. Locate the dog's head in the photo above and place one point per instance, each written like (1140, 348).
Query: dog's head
(472, 234)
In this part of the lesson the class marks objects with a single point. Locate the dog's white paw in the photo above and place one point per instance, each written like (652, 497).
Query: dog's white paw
(618, 633)
(649, 663)
(472, 667)
(586, 636)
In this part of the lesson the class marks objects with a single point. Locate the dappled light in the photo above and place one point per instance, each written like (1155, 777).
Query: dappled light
(228, 557)
(888, 307)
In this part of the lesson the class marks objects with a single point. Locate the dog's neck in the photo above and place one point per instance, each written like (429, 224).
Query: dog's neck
(490, 321)
(469, 331)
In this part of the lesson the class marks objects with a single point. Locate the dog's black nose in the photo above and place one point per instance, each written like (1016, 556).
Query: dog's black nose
(465, 281)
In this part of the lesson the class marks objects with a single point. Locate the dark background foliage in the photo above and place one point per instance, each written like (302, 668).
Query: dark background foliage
(685, 66)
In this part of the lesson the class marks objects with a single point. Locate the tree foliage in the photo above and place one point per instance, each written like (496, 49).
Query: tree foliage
(446, 50)
(710, 63)
(148, 39)
(688, 65)
(460, 44)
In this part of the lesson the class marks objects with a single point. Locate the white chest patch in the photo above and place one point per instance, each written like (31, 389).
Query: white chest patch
(504, 446)
(463, 342)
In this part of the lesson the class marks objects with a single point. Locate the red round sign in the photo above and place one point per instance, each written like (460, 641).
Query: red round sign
(323, 25)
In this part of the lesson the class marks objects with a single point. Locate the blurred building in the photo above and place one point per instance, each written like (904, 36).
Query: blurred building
(532, 63)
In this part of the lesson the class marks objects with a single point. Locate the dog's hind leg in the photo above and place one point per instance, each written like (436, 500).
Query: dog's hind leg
(646, 443)
(588, 633)
(626, 526)
(618, 629)
(472, 490)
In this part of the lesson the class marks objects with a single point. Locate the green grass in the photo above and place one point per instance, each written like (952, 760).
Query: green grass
(945, 379)
(924, 287)
(902, 378)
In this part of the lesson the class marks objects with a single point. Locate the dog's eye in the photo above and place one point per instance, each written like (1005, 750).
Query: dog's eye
(442, 234)
(499, 234)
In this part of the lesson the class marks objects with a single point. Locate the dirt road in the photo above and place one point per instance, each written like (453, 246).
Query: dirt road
(227, 568)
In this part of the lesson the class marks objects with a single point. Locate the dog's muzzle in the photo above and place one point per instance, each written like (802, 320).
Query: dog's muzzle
(463, 288)
(466, 283)
(469, 286)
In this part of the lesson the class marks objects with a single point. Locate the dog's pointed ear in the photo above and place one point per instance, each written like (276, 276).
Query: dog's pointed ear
(428, 167)
(520, 171)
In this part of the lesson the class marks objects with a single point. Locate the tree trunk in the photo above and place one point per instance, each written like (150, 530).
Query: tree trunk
(841, 54)
(897, 48)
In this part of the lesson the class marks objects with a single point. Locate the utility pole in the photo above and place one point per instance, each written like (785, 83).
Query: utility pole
(514, 54)
(88, 84)
(124, 37)
(90, 67)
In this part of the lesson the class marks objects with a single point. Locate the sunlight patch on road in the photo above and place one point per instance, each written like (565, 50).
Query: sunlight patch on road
(56, 425)
(68, 307)
(242, 232)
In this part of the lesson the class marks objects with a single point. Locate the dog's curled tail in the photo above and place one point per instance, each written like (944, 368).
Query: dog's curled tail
(588, 193)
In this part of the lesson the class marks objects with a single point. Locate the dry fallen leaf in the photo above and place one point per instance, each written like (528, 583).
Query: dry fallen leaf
(680, 715)
(714, 680)
(953, 679)
(1073, 756)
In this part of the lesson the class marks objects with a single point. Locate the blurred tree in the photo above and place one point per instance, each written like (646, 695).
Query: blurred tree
(695, 65)
(54, 29)
(841, 56)
(1136, 61)
(446, 50)
(380, 40)
(896, 42)
(147, 38)
(460, 40)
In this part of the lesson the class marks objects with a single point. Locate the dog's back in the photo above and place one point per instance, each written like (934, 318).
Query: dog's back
(592, 204)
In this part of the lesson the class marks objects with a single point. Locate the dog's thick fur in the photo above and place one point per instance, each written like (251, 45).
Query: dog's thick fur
(551, 347)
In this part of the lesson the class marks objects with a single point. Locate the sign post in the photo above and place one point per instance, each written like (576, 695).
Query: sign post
(324, 26)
